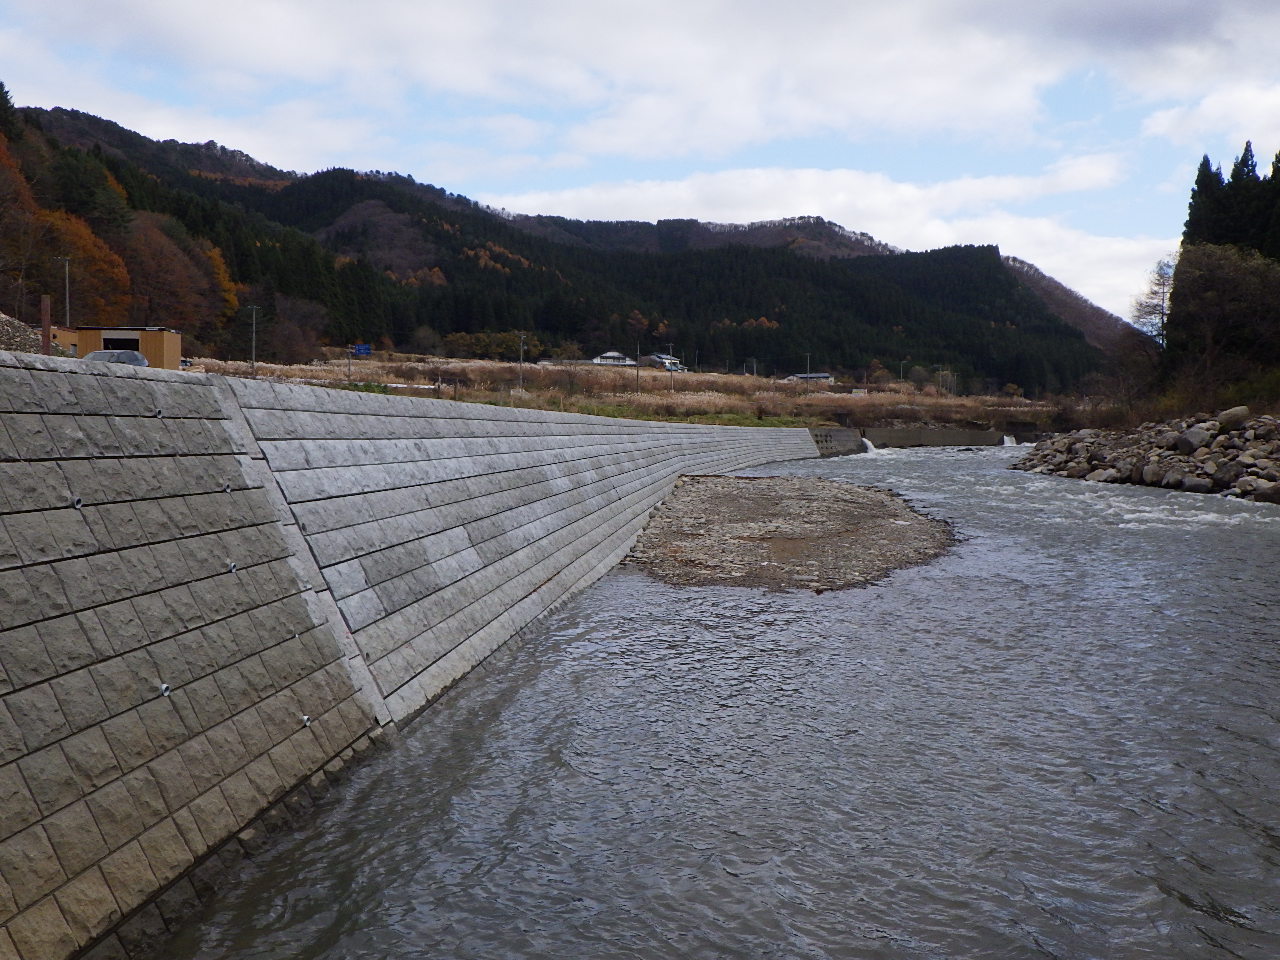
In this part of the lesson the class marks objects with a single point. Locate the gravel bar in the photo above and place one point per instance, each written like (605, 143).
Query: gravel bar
(783, 533)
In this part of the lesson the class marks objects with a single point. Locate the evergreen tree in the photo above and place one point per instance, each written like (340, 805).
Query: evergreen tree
(1269, 246)
(10, 122)
(1224, 321)
(1207, 210)
(1246, 198)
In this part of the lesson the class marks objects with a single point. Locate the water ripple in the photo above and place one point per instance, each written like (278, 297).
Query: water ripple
(1060, 740)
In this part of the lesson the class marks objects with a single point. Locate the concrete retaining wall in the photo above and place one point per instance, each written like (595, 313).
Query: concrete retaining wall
(214, 593)
(837, 441)
(441, 529)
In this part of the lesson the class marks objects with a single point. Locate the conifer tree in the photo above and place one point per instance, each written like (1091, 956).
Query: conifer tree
(1205, 215)
(10, 123)
(1246, 202)
(1269, 246)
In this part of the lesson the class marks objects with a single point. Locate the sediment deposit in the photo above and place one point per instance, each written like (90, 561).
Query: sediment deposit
(783, 533)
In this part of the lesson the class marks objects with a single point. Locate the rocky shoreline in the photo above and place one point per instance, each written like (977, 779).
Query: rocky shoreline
(1233, 454)
(783, 533)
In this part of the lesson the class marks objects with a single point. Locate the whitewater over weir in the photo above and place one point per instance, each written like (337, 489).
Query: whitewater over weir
(1060, 740)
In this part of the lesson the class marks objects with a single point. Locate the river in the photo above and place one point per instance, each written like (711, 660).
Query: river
(1062, 739)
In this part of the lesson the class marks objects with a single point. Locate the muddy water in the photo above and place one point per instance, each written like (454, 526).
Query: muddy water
(1060, 740)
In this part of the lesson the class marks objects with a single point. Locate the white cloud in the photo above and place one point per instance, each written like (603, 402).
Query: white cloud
(772, 193)
(672, 78)
(1234, 115)
(509, 131)
(666, 78)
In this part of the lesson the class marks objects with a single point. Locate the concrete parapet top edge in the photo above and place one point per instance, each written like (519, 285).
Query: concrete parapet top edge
(36, 361)
(295, 398)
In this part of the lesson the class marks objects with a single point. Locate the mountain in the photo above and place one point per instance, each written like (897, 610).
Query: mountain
(1101, 328)
(170, 158)
(190, 235)
(810, 236)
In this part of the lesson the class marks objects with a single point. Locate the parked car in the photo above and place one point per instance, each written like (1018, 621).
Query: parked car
(132, 357)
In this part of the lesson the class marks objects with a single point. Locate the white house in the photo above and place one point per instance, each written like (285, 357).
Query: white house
(613, 359)
(663, 361)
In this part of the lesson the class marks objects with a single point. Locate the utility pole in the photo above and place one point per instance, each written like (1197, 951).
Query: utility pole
(253, 343)
(46, 332)
(520, 369)
(806, 363)
(66, 289)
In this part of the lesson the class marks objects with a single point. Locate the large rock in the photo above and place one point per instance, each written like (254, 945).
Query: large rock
(1228, 473)
(1197, 485)
(1232, 419)
(1234, 453)
(1153, 474)
(1266, 491)
(1191, 440)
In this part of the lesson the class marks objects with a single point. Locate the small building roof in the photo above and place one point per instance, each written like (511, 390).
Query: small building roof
(131, 329)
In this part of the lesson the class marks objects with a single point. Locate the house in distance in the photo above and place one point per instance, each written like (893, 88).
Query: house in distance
(613, 358)
(811, 378)
(663, 361)
(160, 345)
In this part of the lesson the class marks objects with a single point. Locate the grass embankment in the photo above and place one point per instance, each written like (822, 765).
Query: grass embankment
(650, 394)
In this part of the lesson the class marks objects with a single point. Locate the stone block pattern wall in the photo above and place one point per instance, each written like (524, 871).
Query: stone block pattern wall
(214, 592)
(136, 552)
(442, 529)
(838, 441)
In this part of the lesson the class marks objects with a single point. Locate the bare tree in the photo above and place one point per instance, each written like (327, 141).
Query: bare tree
(1151, 310)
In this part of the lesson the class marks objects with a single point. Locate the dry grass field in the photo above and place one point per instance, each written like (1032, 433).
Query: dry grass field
(651, 394)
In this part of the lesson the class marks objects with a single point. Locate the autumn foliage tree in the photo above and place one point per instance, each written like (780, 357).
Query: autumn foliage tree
(33, 242)
(21, 234)
(168, 289)
(98, 279)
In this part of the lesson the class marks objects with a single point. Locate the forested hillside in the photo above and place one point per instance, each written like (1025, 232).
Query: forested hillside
(1222, 332)
(193, 236)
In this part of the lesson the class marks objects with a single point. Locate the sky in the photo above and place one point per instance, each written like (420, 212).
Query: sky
(1067, 132)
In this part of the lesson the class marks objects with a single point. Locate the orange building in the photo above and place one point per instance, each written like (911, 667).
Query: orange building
(161, 346)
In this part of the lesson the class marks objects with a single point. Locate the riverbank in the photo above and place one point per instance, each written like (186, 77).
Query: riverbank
(1235, 454)
(783, 533)
(646, 393)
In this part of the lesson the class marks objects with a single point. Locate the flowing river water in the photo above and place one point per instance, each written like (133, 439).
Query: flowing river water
(1062, 739)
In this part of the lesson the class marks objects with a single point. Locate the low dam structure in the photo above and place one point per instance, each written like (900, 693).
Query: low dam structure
(215, 593)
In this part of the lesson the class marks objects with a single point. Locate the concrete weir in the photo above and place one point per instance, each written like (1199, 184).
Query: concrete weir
(215, 593)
